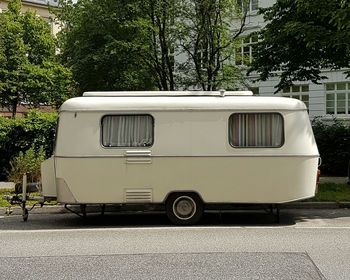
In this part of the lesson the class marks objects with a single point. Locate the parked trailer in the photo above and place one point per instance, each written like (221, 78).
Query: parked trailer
(183, 150)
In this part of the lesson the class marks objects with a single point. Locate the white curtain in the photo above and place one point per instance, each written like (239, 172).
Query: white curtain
(127, 131)
(256, 130)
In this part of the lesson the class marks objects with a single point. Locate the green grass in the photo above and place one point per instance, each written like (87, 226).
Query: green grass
(5, 203)
(332, 192)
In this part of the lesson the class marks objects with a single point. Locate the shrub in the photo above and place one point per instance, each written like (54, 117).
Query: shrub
(333, 141)
(35, 130)
(28, 162)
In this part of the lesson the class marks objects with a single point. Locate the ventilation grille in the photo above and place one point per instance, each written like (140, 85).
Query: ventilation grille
(138, 195)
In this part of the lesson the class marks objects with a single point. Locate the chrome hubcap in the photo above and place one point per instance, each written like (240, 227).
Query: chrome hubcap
(184, 207)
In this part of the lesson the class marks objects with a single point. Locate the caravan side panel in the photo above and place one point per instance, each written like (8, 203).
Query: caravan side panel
(215, 179)
(48, 178)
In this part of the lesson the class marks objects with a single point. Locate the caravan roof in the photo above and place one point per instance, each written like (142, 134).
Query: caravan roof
(150, 101)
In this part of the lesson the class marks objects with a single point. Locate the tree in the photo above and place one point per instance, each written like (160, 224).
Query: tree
(28, 69)
(104, 43)
(207, 33)
(161, 36)
(168, 44)
(301, 38)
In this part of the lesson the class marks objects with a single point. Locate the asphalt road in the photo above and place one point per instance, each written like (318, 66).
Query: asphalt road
(307, 244)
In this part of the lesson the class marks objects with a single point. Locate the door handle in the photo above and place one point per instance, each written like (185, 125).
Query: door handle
(138, 156)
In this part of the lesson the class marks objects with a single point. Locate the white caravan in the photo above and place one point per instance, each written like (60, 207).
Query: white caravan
(183, 150)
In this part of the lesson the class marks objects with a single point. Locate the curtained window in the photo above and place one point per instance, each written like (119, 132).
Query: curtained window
(127, 131)
(256, 130)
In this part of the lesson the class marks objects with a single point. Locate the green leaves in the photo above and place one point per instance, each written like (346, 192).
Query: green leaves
(37, 129)
(103, 44)
(37, 36)
(28, 67)
(301, 38)
(140, 45)
(28, 162)
(333, 144)
(207, 34)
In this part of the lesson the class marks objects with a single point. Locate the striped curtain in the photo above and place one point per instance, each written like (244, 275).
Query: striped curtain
(127, 131)
(256, 130)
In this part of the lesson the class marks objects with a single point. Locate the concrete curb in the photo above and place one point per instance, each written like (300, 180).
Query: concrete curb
(59, 209)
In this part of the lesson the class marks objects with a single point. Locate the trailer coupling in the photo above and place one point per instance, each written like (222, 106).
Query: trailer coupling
(23, 195)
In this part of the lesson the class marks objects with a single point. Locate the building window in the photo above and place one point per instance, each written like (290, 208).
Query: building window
(251, 6)
(245, 51)
(338, 98)
(300, 92)
(254, 5)
(256, 130)
(127, 131)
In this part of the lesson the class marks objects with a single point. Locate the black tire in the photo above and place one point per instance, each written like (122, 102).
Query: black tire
(184, 208)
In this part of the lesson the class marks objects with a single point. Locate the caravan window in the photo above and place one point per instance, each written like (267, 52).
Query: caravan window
(256, 130)
(127, 131)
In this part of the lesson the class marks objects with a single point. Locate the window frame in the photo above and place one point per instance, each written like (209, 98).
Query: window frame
(128, 147)
(256, 147)
(251, 5)
(245, 58)
(288, 92)
(335, 92)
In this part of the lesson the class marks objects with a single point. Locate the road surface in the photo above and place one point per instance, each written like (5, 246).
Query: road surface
(307, 244)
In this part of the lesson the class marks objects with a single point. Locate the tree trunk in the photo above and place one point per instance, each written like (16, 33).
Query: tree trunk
(14, 108)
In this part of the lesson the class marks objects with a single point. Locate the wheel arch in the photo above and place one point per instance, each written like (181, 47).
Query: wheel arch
(183, 192)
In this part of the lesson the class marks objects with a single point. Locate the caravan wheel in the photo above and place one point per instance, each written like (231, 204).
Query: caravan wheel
(184, 209)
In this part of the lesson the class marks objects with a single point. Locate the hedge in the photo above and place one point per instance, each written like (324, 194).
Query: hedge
(36, 130)
(333, 141)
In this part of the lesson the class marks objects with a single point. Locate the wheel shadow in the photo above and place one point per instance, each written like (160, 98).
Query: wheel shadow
(66, 220)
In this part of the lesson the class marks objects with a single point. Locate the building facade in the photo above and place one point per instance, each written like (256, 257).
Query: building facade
(329, 99)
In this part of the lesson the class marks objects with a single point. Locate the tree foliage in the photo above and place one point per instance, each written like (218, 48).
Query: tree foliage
(17, 135)
(207, 33)
(103, 42)
(333, 143)
(301, 38)
(160, 40)
(168, 44)
(28, 69)
(28, 162)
